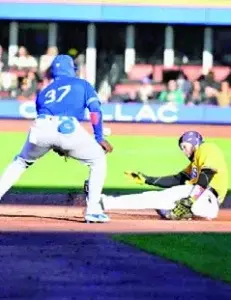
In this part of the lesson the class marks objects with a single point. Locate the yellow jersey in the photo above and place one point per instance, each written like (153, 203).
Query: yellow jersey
(209, 155)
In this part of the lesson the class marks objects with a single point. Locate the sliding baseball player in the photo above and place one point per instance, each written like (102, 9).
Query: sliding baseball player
(198, 190)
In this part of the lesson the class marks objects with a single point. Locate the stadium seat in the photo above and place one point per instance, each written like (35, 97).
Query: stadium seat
(220, 72)
(4, 95)
(139, 71)
(126, 88)
(192, 72)
(158, 73)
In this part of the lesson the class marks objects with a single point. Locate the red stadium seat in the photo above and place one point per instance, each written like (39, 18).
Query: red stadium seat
(158, 73)
(173, 68)
(192, 72)
(158, 87)
(138, 72)
(122, 89)
(4, 95)
(220, 73)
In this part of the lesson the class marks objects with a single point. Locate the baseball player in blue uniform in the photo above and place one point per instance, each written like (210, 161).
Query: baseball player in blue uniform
(60, 108)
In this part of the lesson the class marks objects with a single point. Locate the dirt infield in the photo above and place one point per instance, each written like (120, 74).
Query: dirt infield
(70, 219)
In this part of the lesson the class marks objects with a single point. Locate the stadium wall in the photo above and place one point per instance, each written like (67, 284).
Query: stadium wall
(139, 113)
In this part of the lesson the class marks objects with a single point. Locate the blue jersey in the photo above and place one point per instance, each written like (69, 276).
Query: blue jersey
(68, 95)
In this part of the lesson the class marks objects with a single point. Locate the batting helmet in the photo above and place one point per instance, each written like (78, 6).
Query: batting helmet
(63, 65)
(192, 137)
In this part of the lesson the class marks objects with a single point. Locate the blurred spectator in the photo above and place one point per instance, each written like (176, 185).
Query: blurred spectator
(24, 91)
(104, 91)
(8, 81)
(46, 59)
(211, 95)
(32, 80)
(28, 86)
(209, 80)
(42, 83)
(197, 95)
(79, 59)
(130, 98)
(184, 84)
(3, 59)
(224, 96)
(73, 53)
(172, 94)
(145, 92)
(23, 60)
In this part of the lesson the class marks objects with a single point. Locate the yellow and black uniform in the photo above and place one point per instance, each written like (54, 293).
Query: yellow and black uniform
(210, 156)
(207, 157)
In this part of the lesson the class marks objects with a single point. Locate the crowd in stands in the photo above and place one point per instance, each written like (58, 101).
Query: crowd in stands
(177, 90)
(24, 75)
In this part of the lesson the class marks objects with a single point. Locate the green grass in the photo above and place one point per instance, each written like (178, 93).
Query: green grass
(207, 253)
(151, 155)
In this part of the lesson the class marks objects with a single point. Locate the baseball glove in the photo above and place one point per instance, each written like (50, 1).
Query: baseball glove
(182, 210)
(137, 177)
(61, 152)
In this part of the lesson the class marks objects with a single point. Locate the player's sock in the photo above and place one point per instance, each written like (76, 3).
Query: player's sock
(11, 175)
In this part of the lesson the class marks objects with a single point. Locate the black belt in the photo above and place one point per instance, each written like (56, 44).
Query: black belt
(215, 193)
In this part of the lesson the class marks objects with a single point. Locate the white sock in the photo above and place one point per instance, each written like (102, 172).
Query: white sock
(145, 200)
(11, 175)
(96, 182)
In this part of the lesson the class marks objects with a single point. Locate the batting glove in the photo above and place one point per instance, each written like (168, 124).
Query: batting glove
(137, 177)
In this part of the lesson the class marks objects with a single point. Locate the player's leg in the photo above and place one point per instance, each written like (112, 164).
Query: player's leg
(97, 174)
(89, 152)
(148, 200)
(28, 155)
(17, 167)
(206, 206)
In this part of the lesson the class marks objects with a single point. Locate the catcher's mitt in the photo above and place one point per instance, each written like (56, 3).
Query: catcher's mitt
(138, 177)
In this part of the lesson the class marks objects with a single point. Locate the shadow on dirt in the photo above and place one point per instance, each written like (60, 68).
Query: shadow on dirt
(66, 196)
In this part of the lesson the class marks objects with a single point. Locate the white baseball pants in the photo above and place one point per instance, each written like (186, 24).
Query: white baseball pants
(42, 136)
(206, 205)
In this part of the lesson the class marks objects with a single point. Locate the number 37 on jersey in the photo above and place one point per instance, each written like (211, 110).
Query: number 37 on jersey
(57, 95)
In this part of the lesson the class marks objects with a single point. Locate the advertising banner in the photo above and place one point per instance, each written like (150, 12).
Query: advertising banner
(117, 112)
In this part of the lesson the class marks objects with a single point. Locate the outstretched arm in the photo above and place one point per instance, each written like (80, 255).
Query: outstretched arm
(167, 181)
(162, 182)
